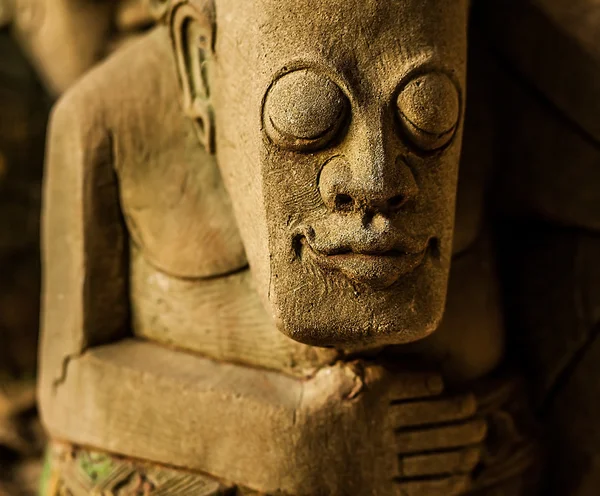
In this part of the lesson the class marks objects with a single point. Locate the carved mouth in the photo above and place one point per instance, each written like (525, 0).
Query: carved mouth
(375, 268)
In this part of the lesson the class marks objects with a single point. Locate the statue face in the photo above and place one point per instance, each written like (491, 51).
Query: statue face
(338, 130)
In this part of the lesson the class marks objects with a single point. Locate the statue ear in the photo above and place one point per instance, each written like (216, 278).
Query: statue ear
(192, 32)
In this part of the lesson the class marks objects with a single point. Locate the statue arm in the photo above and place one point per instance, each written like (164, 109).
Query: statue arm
(85, 301)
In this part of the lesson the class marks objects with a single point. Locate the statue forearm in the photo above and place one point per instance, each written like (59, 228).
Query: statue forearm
(85, 299)
(264, 430)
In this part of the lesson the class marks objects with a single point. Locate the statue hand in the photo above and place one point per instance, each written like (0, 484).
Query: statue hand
(437, 437)
(365, 428)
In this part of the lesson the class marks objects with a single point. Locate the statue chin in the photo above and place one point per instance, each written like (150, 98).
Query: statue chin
(359, 300)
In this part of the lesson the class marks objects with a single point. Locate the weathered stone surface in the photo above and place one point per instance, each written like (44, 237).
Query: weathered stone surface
(470, 342)
(367, 189)
(322, 150)
(556, 45)
(221, 318)
(477, 156)
(546, 168)
(262, 429)
(553, 294)
(80, 472)
(90, 148)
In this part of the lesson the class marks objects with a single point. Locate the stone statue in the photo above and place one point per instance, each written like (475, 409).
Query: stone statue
(60, 40)
(548, 149)
(248, 230)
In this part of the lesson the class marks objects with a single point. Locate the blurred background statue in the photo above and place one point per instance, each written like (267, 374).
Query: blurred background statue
(44, 47)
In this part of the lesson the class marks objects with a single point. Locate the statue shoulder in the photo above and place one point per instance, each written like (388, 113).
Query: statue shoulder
(109, 96)
(170, 190)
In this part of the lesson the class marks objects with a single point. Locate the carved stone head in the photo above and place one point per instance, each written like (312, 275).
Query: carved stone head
(337, 128)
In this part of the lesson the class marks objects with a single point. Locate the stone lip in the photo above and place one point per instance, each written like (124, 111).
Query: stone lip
(378, 268)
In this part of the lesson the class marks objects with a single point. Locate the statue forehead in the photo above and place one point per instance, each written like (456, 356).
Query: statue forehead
(322, 15)
(350, 33)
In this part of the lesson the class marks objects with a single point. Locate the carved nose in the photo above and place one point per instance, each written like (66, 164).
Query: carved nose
(374, 189)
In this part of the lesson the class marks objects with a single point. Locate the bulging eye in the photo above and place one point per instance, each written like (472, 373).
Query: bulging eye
(429, 110)
(304, 110)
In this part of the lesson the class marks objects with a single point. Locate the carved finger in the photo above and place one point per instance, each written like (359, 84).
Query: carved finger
(451, 463)
(441, 438)
(450, 486)
(411, 386)
(432, 411)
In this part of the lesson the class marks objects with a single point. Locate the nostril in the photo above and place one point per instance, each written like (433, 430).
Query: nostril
(397, 201)
(343, 202)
